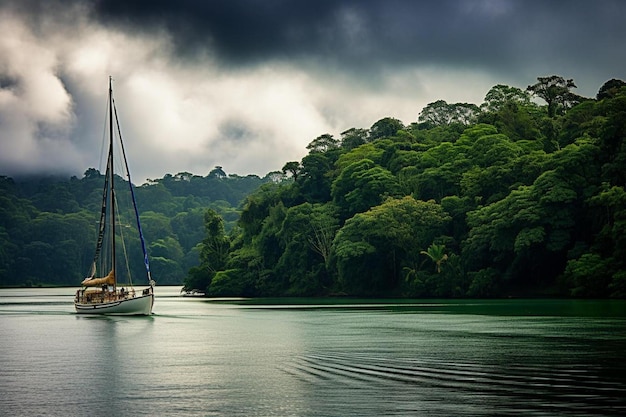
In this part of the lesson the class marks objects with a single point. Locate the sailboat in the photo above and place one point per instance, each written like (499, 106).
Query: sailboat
(101, 292)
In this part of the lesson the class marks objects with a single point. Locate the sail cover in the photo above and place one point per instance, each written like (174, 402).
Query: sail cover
(96, 282)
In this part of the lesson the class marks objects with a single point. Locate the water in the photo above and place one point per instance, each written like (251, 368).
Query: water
(197, 357)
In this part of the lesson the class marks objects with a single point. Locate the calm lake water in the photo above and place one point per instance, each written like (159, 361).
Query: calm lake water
(197, 357)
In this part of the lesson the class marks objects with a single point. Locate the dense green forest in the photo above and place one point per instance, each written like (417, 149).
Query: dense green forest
(521, 196)
(48, 225)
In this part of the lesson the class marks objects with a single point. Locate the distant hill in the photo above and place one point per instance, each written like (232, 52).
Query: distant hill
(48, 223)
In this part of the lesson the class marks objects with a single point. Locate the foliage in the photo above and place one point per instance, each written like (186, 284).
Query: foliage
(555, 90)
(440, 113)
(48, 224)
(373, 247)
(515, 186)
(436, 253)
(362, 185)
(213, 252)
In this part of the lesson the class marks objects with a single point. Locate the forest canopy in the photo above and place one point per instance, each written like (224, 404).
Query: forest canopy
(48, 224)
(522, 195)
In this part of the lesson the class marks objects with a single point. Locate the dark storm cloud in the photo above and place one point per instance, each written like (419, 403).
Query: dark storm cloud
(247, 84)
(510, 38)
(237, 131)
(238, 30)
(241, 30)
(370, 33)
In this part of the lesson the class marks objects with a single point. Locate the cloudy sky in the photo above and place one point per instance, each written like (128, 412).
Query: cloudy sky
(247, 84)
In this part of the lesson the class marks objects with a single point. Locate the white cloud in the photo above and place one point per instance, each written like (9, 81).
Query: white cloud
(174, 117)
(35, 109)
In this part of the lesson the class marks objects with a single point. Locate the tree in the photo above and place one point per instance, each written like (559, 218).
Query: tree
(537, 204)
(440, 113)
(385, 128)
(213, 253)
(493, 150)
(292, 168)
(436, 114)
(465, 113)
(372, 248)
(306, 234)
(589, 275)
(167, 271)
(268, 242)
(256, 208)
(323, 144)
(362, 185)
(216, 244)
(436, 253)
(610, 89)
(526, 235)
(442, 167)
(275, 176)
(367, 151)
(612, 135)
(167, 248)
(217, 172)
(501, 95)
(441, 181)
(602, 271)
(316, 176)
(555, 91)
(353, 138)
(228, 283)
(324, 225)
(512, 112)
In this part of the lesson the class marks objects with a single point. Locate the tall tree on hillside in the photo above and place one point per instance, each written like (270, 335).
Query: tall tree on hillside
(293, 168)
(501, 95)
(316, 175)
(353, 138)
(610, 89)
(440, 113)
(384, 128)
(323, 143)
(217, 172)
(213, 253)
(556, 91)
(435, 114)
(437, 254)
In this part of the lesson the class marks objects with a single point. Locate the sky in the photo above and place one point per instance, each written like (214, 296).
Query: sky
(247, 84)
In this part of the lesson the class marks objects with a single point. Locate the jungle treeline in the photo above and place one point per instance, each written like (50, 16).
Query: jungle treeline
(48, 225)
(520, 196)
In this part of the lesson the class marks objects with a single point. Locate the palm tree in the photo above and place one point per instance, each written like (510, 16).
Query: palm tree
(436, 254)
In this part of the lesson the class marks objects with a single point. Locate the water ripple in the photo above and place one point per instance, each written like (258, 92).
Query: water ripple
(578, 389)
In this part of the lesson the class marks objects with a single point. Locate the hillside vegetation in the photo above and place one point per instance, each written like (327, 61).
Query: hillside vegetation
(48, 225)
(510, 198)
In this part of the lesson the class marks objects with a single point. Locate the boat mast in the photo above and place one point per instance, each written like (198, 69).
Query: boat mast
(111, 177)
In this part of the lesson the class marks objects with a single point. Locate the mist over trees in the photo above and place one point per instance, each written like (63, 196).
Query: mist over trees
(522, 195)
(48, 224)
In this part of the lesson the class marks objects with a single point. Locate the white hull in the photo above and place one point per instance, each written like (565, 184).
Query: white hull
(141, 305)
